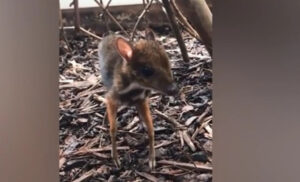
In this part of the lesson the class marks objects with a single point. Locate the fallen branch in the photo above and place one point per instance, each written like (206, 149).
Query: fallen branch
(91, 151)
(176, 30)
(187, 165)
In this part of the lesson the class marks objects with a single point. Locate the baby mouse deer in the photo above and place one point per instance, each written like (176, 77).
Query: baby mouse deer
(130, 71)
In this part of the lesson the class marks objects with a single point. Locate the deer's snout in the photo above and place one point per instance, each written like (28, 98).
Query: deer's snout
(172, 89)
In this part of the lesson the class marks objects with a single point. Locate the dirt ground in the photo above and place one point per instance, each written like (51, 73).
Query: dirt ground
(183, 124)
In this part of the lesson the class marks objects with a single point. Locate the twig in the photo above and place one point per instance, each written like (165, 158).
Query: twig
(61, 162)
(99, 98)
(121, 131)
(85, 175)
(188, 165)
(181, 138)
(206, 121)
(147, 176)
(186, 25)
(140, 18)
(103, 156)
(132, 123)
(80, 170)
(83, 30)
(171, 120)
(112, 17)
(104, 15)
(188, 141)
(176, 30)
(62, 31)
(90, 33)
(88, 130)
(103, 149)
(199, 119)
(164, 143)
(107, 5)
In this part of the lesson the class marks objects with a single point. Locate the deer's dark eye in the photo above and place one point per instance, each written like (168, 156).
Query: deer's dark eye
(147, 71)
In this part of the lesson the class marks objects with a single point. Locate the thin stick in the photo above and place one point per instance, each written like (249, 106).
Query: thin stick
(186, 25)
(200, 118)
(171, 120)
(76, 16)
(112, 17)
(107, 5)
(164, 143)
(103, 149)
(140, 18)
(188, 141)
(83, 30)
(147, 176)
(205, 123)
(85, 175)
(61, 26)
(90, 33)
(176, 30)
(188, 165)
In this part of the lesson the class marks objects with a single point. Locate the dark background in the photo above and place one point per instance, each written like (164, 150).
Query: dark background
(256, 101)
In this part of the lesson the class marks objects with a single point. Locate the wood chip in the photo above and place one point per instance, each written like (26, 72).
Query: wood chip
(61, 162)
(190, 120)
(82, 120)
(164, 143)
(131, 124)
(199, 119)
(188, 141)
(203, 125)
(85, 176)
(147, 176)
(169, 119)
(99, 98)
(100, 155)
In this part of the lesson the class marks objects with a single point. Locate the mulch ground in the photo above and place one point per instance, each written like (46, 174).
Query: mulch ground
(183, 124)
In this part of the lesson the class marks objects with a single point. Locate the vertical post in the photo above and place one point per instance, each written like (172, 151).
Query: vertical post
(176, 30)
(76, 16)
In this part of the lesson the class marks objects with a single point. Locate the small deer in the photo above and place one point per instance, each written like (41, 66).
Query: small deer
(130, 71)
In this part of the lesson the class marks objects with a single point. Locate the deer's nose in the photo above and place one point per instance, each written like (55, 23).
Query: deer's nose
(172, 89)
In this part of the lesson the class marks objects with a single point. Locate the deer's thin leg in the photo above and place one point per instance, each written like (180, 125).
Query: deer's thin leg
(145, 115)
(111, 109)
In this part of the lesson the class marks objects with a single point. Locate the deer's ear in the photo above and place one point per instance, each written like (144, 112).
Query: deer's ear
(124, 48)
(150, 35)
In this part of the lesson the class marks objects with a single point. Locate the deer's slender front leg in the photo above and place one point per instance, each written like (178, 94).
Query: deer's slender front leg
(145, 115)
(111, 109)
